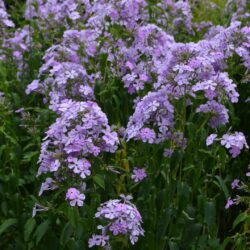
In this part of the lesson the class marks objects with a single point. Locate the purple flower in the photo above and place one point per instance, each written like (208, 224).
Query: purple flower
(147, 135)
(81, 130)
(49, 184)
(75, 197)
(138, 174)
(55, 165)
(168, 152)
(20, 110)
(80, 167)
(122, 218)
(34, 86)
(210, 139)
(110, 138)
(98, 240)
(219, 114)
(74, 15)
(153, 108)
(38, 208)
(235, 183)
(4, 17)
(234, 151)
(230, 202)
(129, 65)
(234, 142)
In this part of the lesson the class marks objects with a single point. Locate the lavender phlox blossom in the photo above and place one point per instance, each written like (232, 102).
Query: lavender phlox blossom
(217, 86)
(98, 240)
(64, 73)
(32, 87)
(210, 139)
(54, 13)
(231, 40)
(243, 49)
(126, 198)
(81, 130)
(20, 111)
(75, 197)
(19, 42)
(4, 17)
(49, 184)
(153, 44)
(229, 203)
(168, 152)
(235, 183)
(202, 25)
(125, 13)
(122, 218)
(218, 112)
(234, 142)
(178, 14)
(138, 174)
(238, 9)
(153, 109)
(38, 208)
(81, 166)
(147, 135)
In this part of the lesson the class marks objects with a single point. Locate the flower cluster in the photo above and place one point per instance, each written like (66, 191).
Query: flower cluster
(239, 185)
(218, 113)
(238, 8)
(122, 218)
(153, 110)
(234, 142)
(54, 13)
(19, 43)
(178, 14)
(81, 131)
(4, 17)
(65, 73)
(5, 23)
(175, 70)
(146, 54)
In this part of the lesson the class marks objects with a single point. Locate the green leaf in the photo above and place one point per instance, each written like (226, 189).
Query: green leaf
(173, 246)
(221, 184)
(163, 223)
(225, 243)
(28, 156)
(187, 216)
(6, 224)
(191, 231)
(66, 234)
(210, 214)
(28, 228)
(10, 138)
(98, 179)
(240, 218)
(41, 230)
(182, 195)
